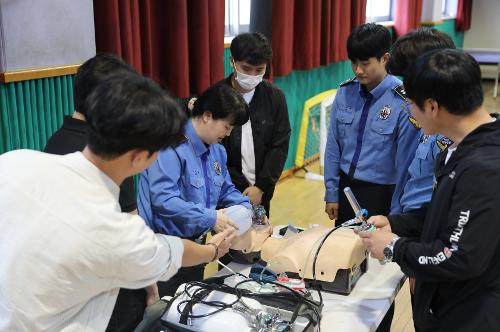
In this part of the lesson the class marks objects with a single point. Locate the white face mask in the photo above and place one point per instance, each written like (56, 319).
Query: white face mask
(247, 82)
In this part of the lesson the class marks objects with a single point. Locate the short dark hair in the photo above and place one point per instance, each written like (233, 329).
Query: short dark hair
(126, 112)
(408, 47)
(451, 77)
(224, 103)
(91, 72)
(253, 48)
(367, 41)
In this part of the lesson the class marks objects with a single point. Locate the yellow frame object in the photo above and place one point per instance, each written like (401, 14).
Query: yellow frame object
(304, 123)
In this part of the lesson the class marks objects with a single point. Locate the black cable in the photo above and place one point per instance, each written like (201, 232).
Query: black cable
(197, 297)
(311, 304)
(315, 281)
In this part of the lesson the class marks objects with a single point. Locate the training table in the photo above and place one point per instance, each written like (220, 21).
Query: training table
(364, 308)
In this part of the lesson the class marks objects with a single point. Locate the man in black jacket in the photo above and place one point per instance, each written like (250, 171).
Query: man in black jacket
(257, 151)
(451, 246)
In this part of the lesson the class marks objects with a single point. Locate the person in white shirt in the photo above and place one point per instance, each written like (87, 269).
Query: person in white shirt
(65, 246)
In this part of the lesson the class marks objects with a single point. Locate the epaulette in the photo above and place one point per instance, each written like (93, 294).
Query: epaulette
(348, 81)
(413, 122)
(400, 91)
(185, 139)
(444, 143)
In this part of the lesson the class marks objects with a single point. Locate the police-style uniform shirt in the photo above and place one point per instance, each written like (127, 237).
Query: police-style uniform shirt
(418, 188)
(179, 192)
(370, 137)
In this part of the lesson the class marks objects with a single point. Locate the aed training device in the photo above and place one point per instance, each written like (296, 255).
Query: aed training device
(325, 258)
(237, 303)
(340, 263)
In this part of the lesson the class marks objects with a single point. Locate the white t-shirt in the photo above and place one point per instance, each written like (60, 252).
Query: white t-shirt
(449, 153)
(65, 247)
(247, 148)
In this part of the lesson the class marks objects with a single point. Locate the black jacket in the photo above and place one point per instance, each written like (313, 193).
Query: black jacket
(456, 261)
(271, 135)
(72, 137)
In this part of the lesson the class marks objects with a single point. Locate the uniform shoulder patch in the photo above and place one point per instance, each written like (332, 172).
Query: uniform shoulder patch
(348, 81)
(413, 122)
(400, 91)
(443, 143)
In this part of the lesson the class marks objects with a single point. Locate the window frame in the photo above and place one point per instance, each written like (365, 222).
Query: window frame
(450, 9)
(379, 19)
(232, 13)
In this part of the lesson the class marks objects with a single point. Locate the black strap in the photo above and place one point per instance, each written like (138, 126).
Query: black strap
(188, 308)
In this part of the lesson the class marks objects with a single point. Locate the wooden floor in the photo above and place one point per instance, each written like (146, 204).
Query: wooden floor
(300, 202)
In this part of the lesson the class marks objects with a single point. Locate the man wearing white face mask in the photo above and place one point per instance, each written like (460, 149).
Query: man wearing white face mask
(256, 151)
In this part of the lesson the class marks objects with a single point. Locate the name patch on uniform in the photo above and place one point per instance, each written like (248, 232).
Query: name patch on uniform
(217, 168)
(400, 91)
(385, 112)
(444, 143)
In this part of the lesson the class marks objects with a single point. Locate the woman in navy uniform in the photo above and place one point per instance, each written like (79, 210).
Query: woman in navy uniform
(179, 193)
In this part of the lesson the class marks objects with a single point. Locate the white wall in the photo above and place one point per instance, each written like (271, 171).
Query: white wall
(485, 25)
(45, 33)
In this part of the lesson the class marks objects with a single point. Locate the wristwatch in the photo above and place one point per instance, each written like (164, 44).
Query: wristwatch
(389, 250)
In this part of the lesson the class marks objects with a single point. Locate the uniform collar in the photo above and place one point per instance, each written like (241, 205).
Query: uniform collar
(198, 145)
(380, 89)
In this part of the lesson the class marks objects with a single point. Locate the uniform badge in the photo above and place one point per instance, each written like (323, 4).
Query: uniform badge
(217, 168)
(443, 143)
(424, 139)
(385, 112)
